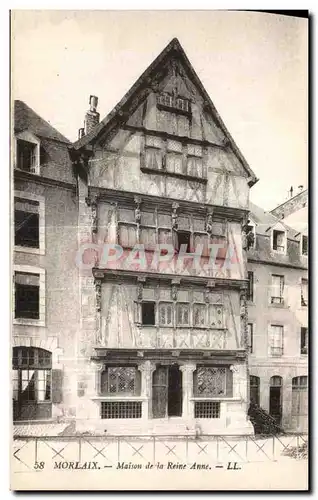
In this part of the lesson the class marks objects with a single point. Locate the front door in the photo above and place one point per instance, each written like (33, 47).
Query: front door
(275, 406)
(167, 392)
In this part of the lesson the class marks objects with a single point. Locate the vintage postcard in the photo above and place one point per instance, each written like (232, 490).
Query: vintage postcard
(159, 250)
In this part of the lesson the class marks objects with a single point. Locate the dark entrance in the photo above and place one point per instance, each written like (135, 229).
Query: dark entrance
(254, 390)
(174, 391)
(275, 398)
(167, 392)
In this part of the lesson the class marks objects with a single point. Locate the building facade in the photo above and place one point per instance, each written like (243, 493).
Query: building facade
(162, 333)
(278, 318)
(45, 299)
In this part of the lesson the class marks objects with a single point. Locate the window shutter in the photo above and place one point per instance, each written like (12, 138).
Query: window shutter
(57, 386)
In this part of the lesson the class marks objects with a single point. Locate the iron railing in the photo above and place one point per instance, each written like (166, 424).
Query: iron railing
(52, 452)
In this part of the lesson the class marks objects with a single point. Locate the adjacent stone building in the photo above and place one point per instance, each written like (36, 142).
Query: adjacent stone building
(45, 278)
(278, 317)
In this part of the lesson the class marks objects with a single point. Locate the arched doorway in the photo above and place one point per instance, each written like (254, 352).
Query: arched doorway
(254, 389)
(275, 398)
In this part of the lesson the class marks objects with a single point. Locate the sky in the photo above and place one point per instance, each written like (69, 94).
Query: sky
(253, 66)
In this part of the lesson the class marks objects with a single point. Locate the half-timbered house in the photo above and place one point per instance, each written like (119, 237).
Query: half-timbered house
(163, 195)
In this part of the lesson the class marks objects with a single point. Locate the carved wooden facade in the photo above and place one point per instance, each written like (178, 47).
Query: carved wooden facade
(162, 171)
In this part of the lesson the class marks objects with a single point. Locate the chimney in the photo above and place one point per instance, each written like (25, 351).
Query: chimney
(81, 133)
(291, 191)
(300, 188)
(92, 116)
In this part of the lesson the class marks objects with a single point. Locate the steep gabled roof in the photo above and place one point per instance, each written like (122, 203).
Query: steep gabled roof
(27, 119)
(173, 47)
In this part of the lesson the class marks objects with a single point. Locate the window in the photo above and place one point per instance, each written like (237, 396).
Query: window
(171, 101)
(184, 239)
(279, 241)
(153, 158)
(276, 340)
(182, 104)
(123, 409)
(27, 156)
(199, 315)
(277, 290)
(183, 316)
(165, 100)
(250, 235)
(304, 245)
(120, 380)
(206, 409)
(250, 336)
(165, 314)
(304, 293)
(300, 396)
(26, 221)
(195, 166)
(303, 340)
(174, 162)
(29, 221)
(32, 380)
(27, 295)
(127, 235)
(276, 381)
(211, 382)
(148, 313)
(250, 288)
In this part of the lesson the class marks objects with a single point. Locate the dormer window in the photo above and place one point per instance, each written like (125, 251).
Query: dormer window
(304, 245)
(27, 156)
(279, 241)
(174, 103)
(250, 235)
